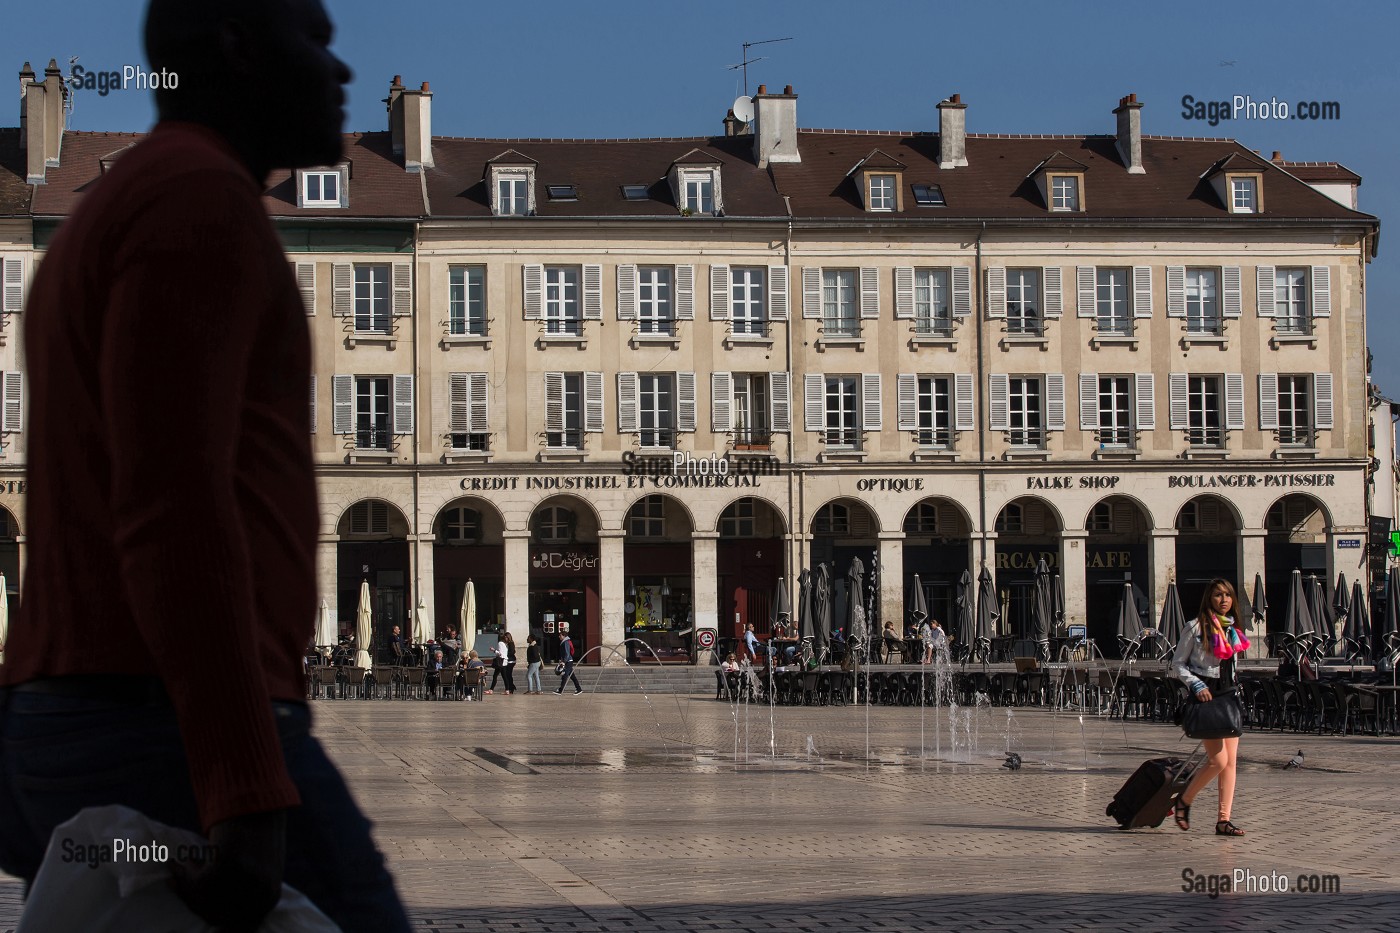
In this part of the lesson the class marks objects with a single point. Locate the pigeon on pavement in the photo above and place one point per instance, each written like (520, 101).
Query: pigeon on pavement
(1012, 762)
(1295, 762)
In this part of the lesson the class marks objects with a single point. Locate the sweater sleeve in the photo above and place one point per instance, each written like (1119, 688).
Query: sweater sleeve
(190, 287)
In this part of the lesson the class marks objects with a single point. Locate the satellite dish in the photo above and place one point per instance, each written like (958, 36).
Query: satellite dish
(743, 108)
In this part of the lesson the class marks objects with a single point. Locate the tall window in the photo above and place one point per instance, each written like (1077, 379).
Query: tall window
(1100, 519)
(882, 195)
(554, 525)
(699, 194)
(935, 424)
(1294, 411)
(1025, 419)
(655, 309)
(922, 520)
(656, 409)
(1012, 520)
(562, 312)
(1205, 412)
(842, 412)
(932, 310)
(1291, 301)
(460, 526)
(1202, 302)
(1243, 196)
(834, 518)
(512, 196)
(466, 301)
(747, 300)
(839, 303)
(571, 437)
(1115, 411)
(1023, 301)
(372, 415)
(751, 428)
(738, 520)
(1113, 314)
(372, 299)
(1064, 193)
(647, 518)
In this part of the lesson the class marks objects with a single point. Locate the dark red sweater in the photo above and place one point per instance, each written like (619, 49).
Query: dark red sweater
(171, 502)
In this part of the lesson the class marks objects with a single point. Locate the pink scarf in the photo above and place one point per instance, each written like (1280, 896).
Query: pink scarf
(1229, 643)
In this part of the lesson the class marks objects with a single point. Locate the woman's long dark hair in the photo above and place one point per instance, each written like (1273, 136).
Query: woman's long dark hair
(1204, 617)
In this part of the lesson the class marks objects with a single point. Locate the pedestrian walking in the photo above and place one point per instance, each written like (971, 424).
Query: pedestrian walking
(532, 671)
(566, 658)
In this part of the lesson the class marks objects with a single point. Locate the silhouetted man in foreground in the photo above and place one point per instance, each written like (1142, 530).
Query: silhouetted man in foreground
(170, 588)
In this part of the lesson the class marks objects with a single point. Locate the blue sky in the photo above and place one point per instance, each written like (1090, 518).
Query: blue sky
(658, 68)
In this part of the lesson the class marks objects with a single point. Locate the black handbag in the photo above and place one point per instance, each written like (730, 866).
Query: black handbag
(1219, 718)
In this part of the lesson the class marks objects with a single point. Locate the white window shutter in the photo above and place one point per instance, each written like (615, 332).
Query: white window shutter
(963, 414)
(904, 291)
(1176, 398)
(1232, 301)
(342, 404)
(778, 293)
(1145, 395)
(719, 292)
(593, 293)
(403, 289)
(534, 291)
(12, 415)
(814, 392)
(869, 292)
(1264, 291)
(1322, 401)
(1052, 277)
(459, 403)
(480, 414)
(627, 292)
(306, 284)
(1142, 291)
(722, 402)
(592, 402)
(907, 401)
(780, 401)
(685, 402)
(998, 400)
(685, 292)
(996, 291)
(1322, 291)
(962, 291)
(1089, 401)
(342, 290)
(313, 403)
(13, 284)
(1176, 291)
(1055, 401)
(811, 292)
(1268, 401)
(871, 409)
(1234, 401)
(1087, 281)
(403, 404)
(627, 402)
(554, 401)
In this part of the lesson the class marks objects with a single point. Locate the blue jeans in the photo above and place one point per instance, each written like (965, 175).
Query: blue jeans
(567, 676)
(59, 754)
(532, 678)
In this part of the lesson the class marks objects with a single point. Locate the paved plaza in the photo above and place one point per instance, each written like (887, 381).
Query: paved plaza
(614, 812)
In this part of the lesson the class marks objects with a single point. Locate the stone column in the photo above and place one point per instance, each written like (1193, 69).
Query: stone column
(1072, 547)
(611, 595)
(517, 557)
(423, 584)
(327, 566)
(1249, 560)
(1163, 558)
(704, 581)
(23, 548)
(892, 580)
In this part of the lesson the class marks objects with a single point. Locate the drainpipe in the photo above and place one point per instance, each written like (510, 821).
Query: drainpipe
(417, 433)
(981, 413)
(795, 505)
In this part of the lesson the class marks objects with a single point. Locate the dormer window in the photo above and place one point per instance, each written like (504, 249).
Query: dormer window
(512, 195)
(881, 195)
(1064, 193)
(879, 178)
(322, 187)
(511, 182)
(1244, 194)
(1238, 181)
(699, 192)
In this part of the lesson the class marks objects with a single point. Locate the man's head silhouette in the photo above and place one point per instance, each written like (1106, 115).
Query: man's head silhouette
(260, 72)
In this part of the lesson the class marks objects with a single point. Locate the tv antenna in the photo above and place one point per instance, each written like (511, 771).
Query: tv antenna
(746, 61)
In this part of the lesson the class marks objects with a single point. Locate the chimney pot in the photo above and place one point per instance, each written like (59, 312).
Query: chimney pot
(763, 89)
(425, 88)
(1278, 156)
(787, 89)
(956, 98)
(397, 82)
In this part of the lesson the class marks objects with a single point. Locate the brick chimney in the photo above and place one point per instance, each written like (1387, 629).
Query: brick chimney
(1129, 144)
(952, 133)
(411, 124)
(775, 127)
(42, 115)
(733, 126)
(395, 106)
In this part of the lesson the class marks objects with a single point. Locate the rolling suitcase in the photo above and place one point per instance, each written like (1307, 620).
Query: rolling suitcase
(1147, 797)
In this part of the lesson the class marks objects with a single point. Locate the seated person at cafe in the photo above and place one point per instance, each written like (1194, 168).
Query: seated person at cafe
(469, 662)
(729, 663)
(396, 644)
(891, 639)
(435, 669)
(936, 643)
(757, 649)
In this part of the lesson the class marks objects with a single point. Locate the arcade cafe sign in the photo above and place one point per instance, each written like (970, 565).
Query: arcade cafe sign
(563, 561)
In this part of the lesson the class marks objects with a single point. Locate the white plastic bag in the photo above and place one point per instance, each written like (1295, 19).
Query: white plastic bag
(106, 869)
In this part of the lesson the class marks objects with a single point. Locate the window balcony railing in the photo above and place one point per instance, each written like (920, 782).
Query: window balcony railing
(475, 442)
(748, 327)
(563, 327)
(564, 440)
(1027, 437)
(842, 438)
(1293, 326)
(1025, 326)
(941, 438)
(933, 327)
(753, 439)
(1115, 327)
(1115, 437)
(658, 437)
(833, 327)
(1296, 437)
(1208, 437)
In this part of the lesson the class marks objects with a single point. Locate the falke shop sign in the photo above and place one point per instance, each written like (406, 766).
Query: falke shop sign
(564, 561)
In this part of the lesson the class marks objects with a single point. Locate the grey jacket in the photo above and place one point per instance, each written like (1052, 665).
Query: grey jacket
(1192, 660)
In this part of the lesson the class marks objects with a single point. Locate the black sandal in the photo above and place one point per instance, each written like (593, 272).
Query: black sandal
(1226, 828)
(1181, 812)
